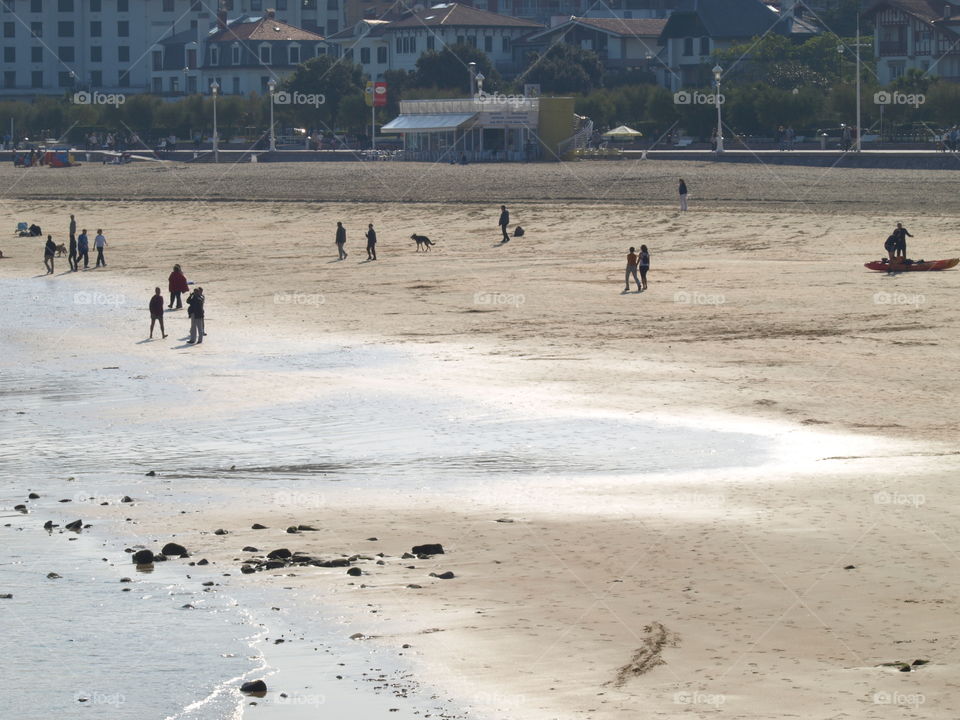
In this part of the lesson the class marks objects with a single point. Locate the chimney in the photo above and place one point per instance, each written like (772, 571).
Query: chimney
(221, 19)
(271, 13)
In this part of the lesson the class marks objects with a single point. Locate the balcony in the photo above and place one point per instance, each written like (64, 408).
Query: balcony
(892, 47)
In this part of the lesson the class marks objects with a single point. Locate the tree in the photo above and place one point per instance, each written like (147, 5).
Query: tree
(324, 77)
(449, 68)
(564, 68)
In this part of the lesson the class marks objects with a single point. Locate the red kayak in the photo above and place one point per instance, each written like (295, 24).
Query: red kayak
(911, 265)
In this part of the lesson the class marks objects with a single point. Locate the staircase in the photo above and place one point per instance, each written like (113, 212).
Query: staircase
(579, 140)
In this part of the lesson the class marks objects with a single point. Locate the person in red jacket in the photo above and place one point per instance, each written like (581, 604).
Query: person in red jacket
(156, 312)
(177, 284)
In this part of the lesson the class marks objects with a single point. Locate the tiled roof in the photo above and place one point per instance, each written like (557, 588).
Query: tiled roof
(630, 27)
(723, 19)
(456, 15)
(261, 29)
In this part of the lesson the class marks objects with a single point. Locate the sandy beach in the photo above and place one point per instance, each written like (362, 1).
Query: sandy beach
(772, 589)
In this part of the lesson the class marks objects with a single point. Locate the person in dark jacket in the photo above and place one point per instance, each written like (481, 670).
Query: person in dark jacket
(195, 303)
(177, 284)
(504, 222)
(644, 265)
(341, 240)
(83, 250)
(156, 312)
(901, 234)
(682, 188)
(72, 257)
(890, 245)
(49, 250)
(371, 242)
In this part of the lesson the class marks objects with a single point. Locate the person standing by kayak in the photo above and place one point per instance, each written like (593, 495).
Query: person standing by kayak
(901, 234)
(890, 246)
(682, 188)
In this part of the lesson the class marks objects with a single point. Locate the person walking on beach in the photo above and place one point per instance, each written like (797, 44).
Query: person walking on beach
(341, 240)
(682, 188)
(83, 250)
(644, 265)
(156, 312)
(48, 252)
(371, 242)
(99, 243)
(72, 257)
(177, 284)
(504, 222)
(195, 309)
(631, 270)
(901, 234)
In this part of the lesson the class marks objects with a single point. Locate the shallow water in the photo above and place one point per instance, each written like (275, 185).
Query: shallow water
(86, 417)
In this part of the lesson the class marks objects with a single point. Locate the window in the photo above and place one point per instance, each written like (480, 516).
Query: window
(65, 28)
(505, 45)
(234, 54)
(65, 5)
(488, 43)
(9, 54)
(10, 77)
(96, 78)
(95, 6)
(167, 6)
(687, 47)
(192, 84)
(123, 6)
(309, 4)
(399, 47)
(157, 85)
(192, 58)
(365, 56)
(430, 42)
(704, 46)
(123, 53)
(96, 53)
(36, 29)
(320, 50)
(36, 54)
(7, 6)
(36, 6)
(214, 55)
(64, 80)
(123, 28)
(66, 53)
(174, 84)
(413, 44)
(96, 28)
(123, 78)
(293, 54)
(235, 82)
(9, 29)
(472, 41)
(382, 55)
(461, 40)
(157, 59)
(36, 79)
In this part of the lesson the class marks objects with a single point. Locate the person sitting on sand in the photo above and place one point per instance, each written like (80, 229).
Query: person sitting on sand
(632, 270)
(156, 312)
(49, 250)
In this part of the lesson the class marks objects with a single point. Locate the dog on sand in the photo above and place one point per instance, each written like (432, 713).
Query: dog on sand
(422, 241)
(61, 250)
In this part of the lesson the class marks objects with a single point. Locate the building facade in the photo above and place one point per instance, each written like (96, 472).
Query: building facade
(54, 47)
(921, 35)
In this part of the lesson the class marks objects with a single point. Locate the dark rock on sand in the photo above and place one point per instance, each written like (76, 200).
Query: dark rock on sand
(414, 586)
(174, 550)
(250, 548)
(33, 496)
(203, 561)
(850, 567)
(274, 564)
(336, 562)
(354, 571)
(407, 556)
(143, 557)
(126, 499)
(428, 549)
(20, 508)
(221, 531)
(373, 539)
(307, 528)
(255, 687)
(293, 529)
(125, 580)
(258, 526)
(444, 575)
(279, 553)
(159, 557)
(6, 596)
(49, 525)
(75, 525)
(247, 569)
(53, 576)
(152, 473)
(65, 500)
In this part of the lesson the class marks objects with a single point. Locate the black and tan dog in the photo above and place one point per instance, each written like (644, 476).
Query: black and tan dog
(61, 250)
(422, 241)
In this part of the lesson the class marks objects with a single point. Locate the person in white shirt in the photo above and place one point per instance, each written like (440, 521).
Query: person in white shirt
(100, 242)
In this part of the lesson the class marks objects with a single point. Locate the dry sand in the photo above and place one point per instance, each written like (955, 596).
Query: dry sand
(758, 308)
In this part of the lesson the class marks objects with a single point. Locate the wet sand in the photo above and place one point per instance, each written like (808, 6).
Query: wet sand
(718, 591)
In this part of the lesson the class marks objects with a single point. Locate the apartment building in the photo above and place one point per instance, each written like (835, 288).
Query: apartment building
(54, 47)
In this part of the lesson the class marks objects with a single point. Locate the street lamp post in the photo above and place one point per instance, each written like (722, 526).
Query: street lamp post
(272, 85)
(472, 66)
(214, 89)
(186, 70)
(717, 73)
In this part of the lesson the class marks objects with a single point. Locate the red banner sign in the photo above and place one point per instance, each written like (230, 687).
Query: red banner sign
(379, 94)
